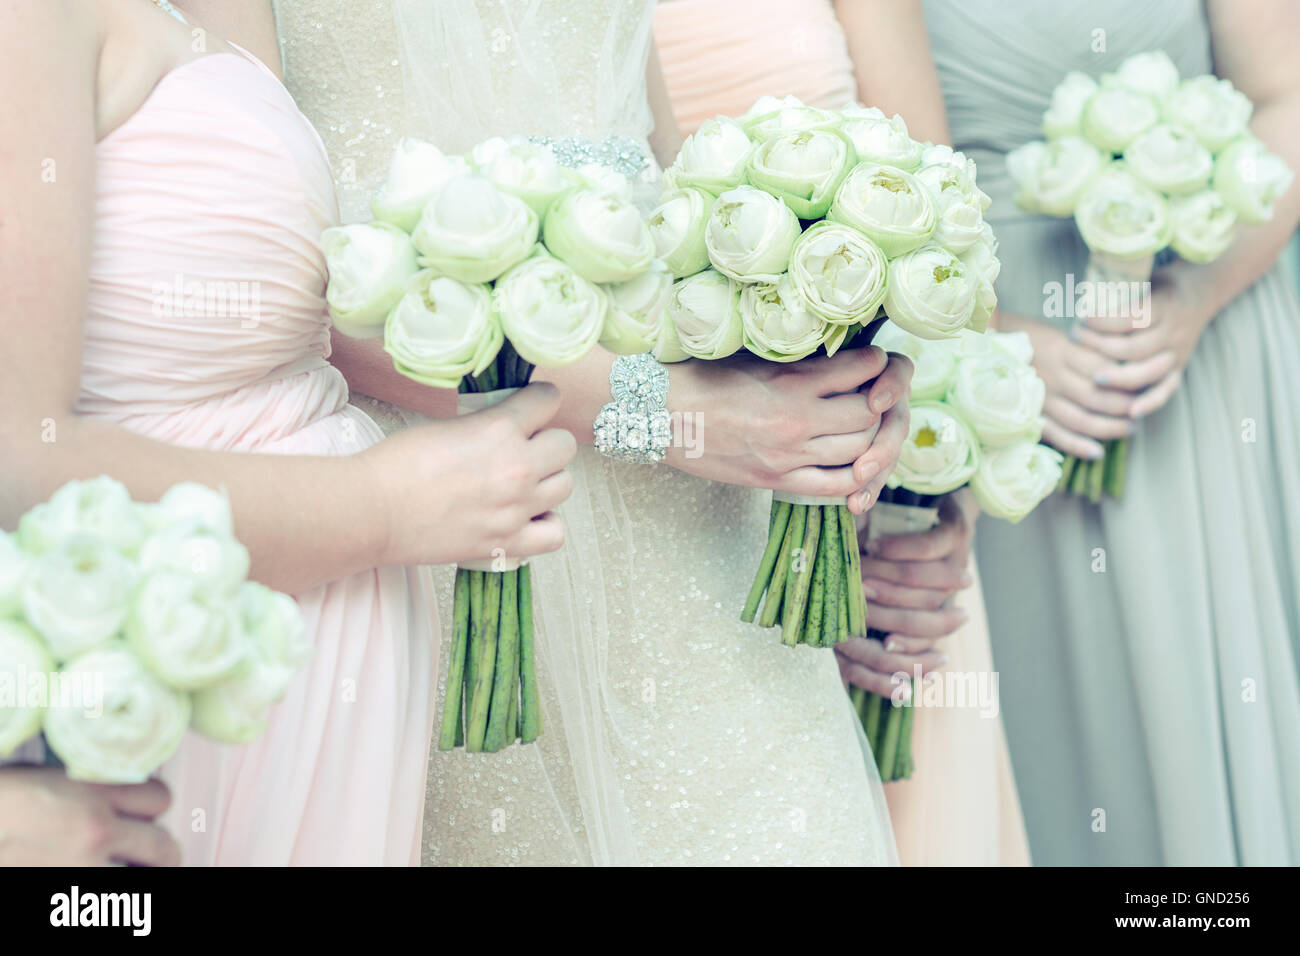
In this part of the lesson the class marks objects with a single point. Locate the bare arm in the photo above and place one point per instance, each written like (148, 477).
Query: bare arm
(890, 49)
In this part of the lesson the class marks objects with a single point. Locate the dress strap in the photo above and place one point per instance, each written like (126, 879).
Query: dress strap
(166, 7)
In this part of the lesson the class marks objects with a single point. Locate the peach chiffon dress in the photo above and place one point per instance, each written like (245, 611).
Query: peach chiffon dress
(960, 807)
(206, 328)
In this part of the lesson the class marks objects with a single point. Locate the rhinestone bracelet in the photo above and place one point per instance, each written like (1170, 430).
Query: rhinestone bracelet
(635, 426)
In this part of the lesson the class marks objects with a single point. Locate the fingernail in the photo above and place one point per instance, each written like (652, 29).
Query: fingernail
(864, 500)
(1073, 334)
(967, 580)
(882, 400)
(1095, 452)
(962, 613)
(865, 471)
(1100, 379)
(892, 645)
(869, 591)
(943, 658)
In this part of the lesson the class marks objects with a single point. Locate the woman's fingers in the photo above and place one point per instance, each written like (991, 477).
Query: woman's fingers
(933, 545)
(144, 801)
(845, 371)
(1081, 388)
(819, 482)
(1135, 376)
(143, 844)
(1070, 443)
(882, 685)
(892, 385)
(931, 575)
(542, 535)
(838, 449)
(1083, 422)
(1155, 398)
(551, 492)
(872, 469)
(553, 450)
(842, 415)
(892, 594)
(1127, 347)
(906, 644)
(915, 623)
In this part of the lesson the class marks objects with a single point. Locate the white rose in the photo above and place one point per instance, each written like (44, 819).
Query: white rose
(941, 154)
(1071, 95)
(770, 117)
(779, 326)
(802, 169)
(442, 331)
(1015, 344)
(677, 228)
(1204, 226)
(940, 453)
(99, 506)
(930, 292)
(880, 139)
(1051, 176)
(78, 595)
(237, 709)
(551, 315)
(524, 169)
(369, 265)
(713, 158)
(216, 562)
(999, 396)
(935, 360)
(25, 666)
(704, 310)
(1251, 179)
(1151, 73)
(131, 726)
(840, 273)
(1011, 482)
(15, 565)
(603, 238)
(636, 311)
(1170, 159)
(1213, 109)
(959, 206)
(982, 263)
(474, 232)
(1116, 115)
(191, 502)
(188, 639)
(889, 205)
(750, 235)
(417, 171)
(1121, 216)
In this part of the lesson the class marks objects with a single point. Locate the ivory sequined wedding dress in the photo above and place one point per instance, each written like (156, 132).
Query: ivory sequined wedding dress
(674, 734)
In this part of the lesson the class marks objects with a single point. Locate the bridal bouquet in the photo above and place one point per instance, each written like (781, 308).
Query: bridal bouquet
(122, 624)
(977, 407)
(475, 270)
(790, 231)
(1144, 160)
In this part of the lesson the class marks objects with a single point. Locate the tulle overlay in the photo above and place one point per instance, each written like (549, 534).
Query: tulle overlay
(205, 328)
(1151, 642)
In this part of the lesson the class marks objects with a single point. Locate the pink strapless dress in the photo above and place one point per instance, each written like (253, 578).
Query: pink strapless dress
(206, 328)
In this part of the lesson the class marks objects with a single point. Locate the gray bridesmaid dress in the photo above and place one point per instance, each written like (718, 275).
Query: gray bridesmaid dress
(1152, 701)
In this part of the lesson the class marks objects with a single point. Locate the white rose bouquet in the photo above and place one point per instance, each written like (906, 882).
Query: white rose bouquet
(1145, 161)
(479, 269)
(123, 624)
(977, 407)
(794, 231)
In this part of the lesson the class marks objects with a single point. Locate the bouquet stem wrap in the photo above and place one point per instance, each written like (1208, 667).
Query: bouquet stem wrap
(886, 722)
(1092, 479)
(492, 694)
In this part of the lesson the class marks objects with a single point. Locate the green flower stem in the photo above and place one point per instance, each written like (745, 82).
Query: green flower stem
(873, 706)
(1116, 460)
(507, 664)
(453, 704)
(776, 590)
(530, 706)
(859, 698)
(481, 699)
(1095, 477)
(842, 625)
(855, 597)
(887, 759)
(903, 767)
(833, 588)
(812, 627)
(792, 631)
(780, 520)
(1067, 471)
(474, 647)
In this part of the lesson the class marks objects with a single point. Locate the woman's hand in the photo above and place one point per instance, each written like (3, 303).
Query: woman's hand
(807, 427)
(48, 820)
(910, 580)
(478, 486)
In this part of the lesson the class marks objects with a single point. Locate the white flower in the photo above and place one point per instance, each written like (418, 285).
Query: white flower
(522, 168)
(889, 205)
(1062, 118)
(935, 360)
(750, 234)
(603, 238)
(1213, 109)
(880, 139)
(999, 396)
(714, 157)
(1051, 176)
(1204, 226)
(15, 565)
(237, 709)
(186, 638)
(982, 263)
(802, 169)
(1114, 116)
(1170, 159)
(704, 309)
(1151, 73)
(443, 330)
(770, 116)
(778, 325)
(1015, 344)
(941, 154)
(940, 453)
(636, 311)
(1250, 179)
(840, 273)
(550, 314)
(99, 506)
(133, 723)
(369, 265)
(677, 227)
(417, 171)
(1121, 216)
(930, 292)
(959, 206)
(1011, 482)
(593, 177)
(216, 562)
(474, 232)
(78, 595)
(25, 666)
(191, 502)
